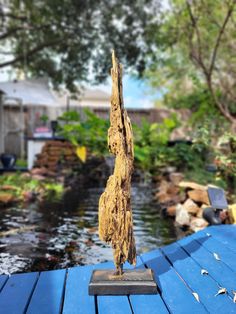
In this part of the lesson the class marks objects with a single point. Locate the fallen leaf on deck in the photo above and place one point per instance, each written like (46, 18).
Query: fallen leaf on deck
(216, 256)
(204, 272)
(196, 296)
(221, 291)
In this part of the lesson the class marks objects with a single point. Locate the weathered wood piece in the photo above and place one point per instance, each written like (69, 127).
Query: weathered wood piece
(115, 214)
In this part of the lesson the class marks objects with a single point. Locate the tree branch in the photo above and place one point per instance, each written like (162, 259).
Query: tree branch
(29, 27)
(197, 57)
(220, 34)
(225, 112)
(12, 16)
(10, 32)
(31, 52)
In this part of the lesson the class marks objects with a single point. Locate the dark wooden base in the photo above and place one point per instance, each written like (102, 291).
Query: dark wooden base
(138, 281)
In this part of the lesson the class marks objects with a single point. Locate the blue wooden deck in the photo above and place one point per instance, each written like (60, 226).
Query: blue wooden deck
(177, 269)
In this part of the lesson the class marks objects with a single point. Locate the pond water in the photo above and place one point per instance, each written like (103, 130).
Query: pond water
(63, 234)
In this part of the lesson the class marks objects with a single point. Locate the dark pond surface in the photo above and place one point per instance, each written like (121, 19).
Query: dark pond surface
(57, 235)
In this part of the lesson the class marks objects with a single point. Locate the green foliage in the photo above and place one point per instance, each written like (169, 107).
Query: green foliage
(195, 48)
(18, 184)
(90, 132)
(44, 118)
(152, 149)
(64, 40)
(226, 155)
(150, 143)
(202, 138)
(21, 163)
(53, 190)
(202, 176)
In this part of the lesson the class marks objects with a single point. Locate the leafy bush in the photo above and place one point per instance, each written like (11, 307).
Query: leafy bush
(18, 184)
(90, 132)
(150, 143)
(151, 148)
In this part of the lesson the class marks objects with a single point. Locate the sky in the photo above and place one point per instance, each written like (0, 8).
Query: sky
(136, 93)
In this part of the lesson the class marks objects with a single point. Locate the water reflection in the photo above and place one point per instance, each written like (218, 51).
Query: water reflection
(56, 235)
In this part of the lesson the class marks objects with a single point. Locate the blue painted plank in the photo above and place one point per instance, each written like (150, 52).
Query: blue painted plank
(227, 235)
(17, 292)
(113, 304)
(225, 229)
(203, 285)
(177, 296)
(77, 300)
(147, 304)
(222, 274)
(48, 294)
(214, 246)
(3, 279)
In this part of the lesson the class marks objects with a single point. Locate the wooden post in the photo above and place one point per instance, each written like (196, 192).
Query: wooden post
(2, 144)
(115, 214)
(22, 129)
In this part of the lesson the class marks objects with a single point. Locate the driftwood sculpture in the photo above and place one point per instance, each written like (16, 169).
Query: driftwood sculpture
(115, 213)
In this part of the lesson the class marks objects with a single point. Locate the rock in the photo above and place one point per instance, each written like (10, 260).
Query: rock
(199, 196)
(192, 185)
(8, 188)
(182, 196)
(172, 189)
(51, 173)
(163, 197)
(61, 179)
(39, 171)
(176, 177)
(182, 216)
(6, 198)
(171, 211)
(38, 177)
(199, 213)
(169, 169)
(25, 175)
(197, 224)
(164, 185)
(191, 207)
(224, 216)
(28, 196)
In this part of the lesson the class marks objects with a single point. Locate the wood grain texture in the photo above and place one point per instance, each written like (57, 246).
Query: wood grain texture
(115, 214)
